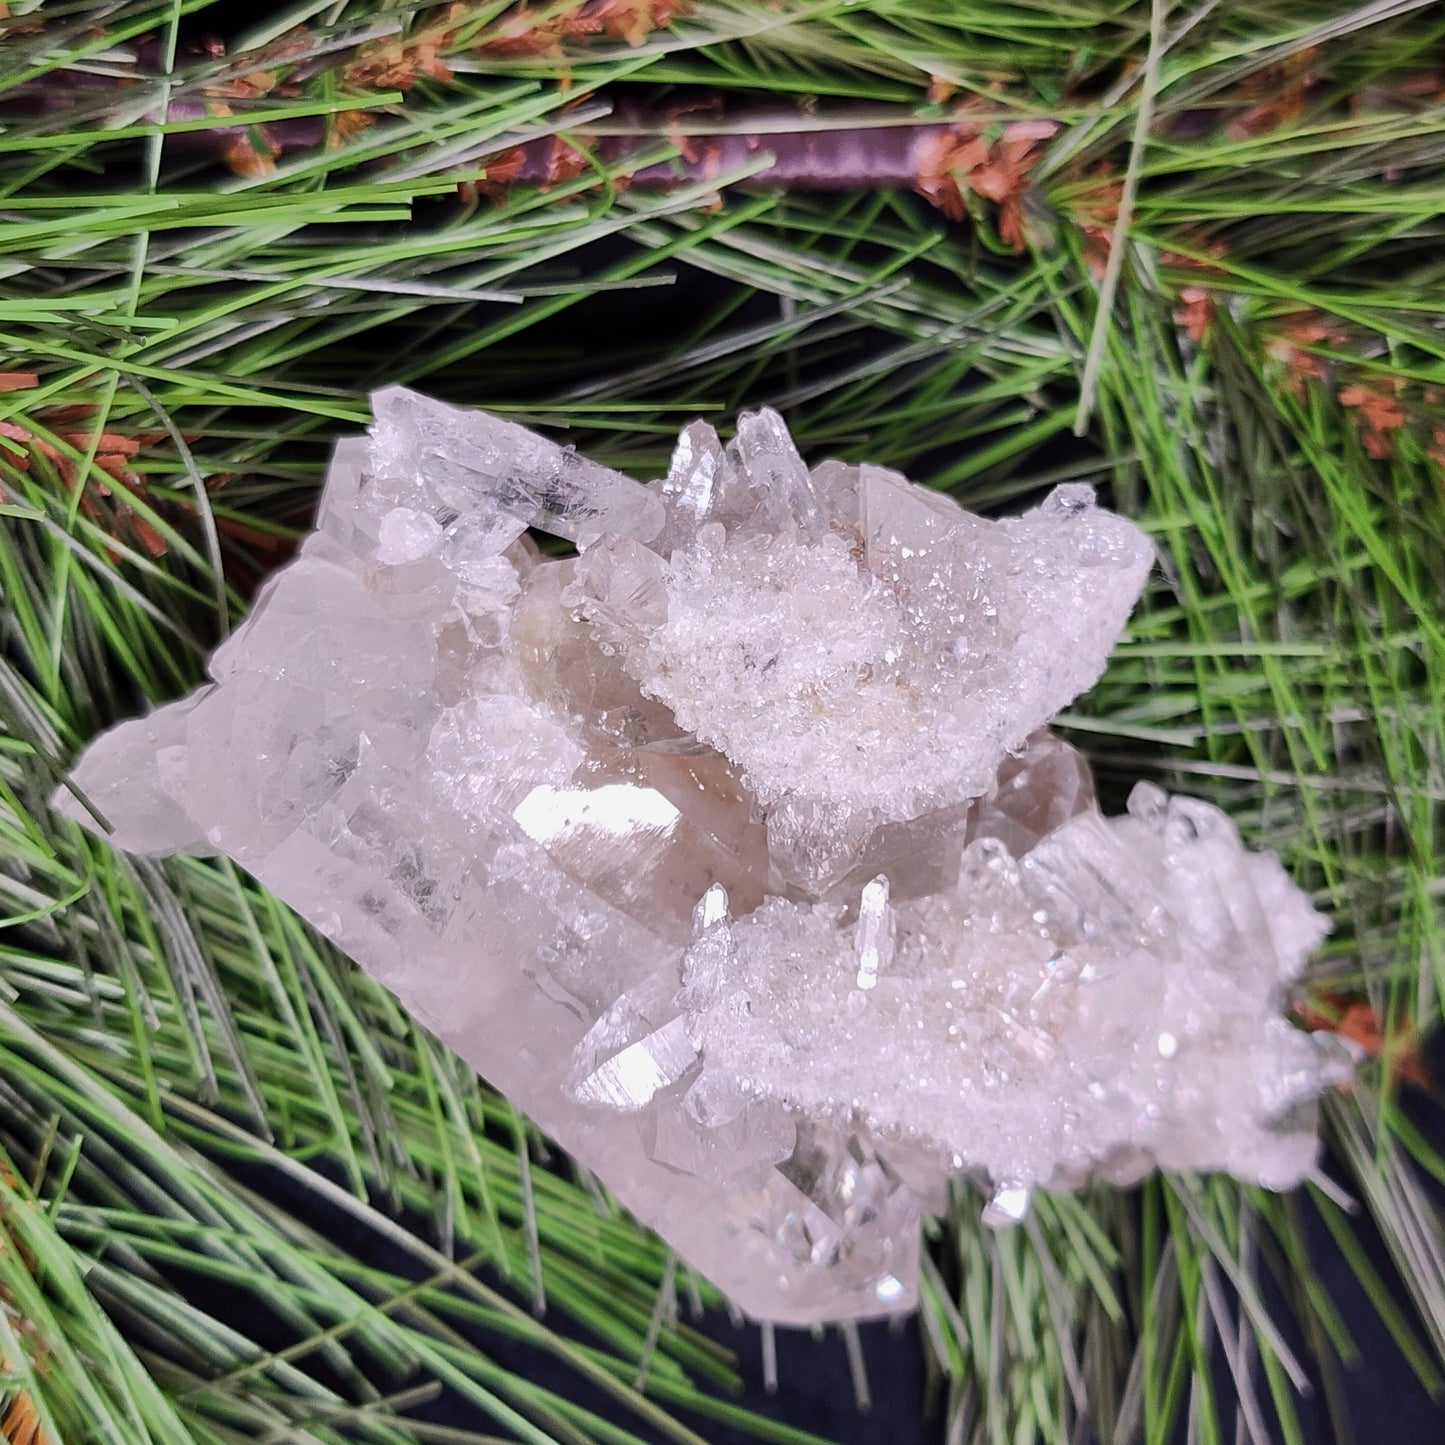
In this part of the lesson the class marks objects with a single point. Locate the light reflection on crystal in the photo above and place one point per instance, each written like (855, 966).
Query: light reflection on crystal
(631, 1077)
(712, 909)
(550, 815)
(735, 849)
(1008, 1204)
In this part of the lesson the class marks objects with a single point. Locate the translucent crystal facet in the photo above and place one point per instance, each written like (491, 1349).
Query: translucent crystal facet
(735, 848)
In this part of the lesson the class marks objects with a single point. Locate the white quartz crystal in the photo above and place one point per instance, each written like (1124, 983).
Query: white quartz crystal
(734, 847)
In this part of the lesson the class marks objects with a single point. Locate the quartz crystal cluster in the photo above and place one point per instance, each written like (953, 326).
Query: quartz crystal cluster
(734, 845)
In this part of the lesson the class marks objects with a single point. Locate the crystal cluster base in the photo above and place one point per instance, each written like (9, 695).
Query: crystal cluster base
(734, 848)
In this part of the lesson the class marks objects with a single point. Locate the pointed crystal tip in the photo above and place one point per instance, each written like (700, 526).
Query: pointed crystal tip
(1008, 1205)
(629, 1079)
(873, 935)
(712, 909)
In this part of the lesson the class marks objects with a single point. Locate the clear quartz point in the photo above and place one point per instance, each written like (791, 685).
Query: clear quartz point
(695, 488)
(841, 1211)
(1007, 1205)
(631, 1077)
(1037, 790)
(763, 451)
(472, 456)
(755, 1139)
(736, 849)
(712, 909)
(873, 933)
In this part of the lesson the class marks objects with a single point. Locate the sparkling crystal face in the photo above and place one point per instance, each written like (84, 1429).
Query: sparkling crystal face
(735, 848)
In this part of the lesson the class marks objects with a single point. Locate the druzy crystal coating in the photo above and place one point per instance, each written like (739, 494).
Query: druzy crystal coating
(735, 847)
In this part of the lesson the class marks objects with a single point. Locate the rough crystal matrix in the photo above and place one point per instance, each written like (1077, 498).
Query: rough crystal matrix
(734, 847)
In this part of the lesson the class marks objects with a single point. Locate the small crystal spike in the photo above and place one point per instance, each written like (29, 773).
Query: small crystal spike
(873, 933)
(694, 477)
(1007, 1205)
(712, 909)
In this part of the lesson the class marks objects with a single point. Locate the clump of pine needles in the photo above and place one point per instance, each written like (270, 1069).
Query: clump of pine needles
(1192, 253)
